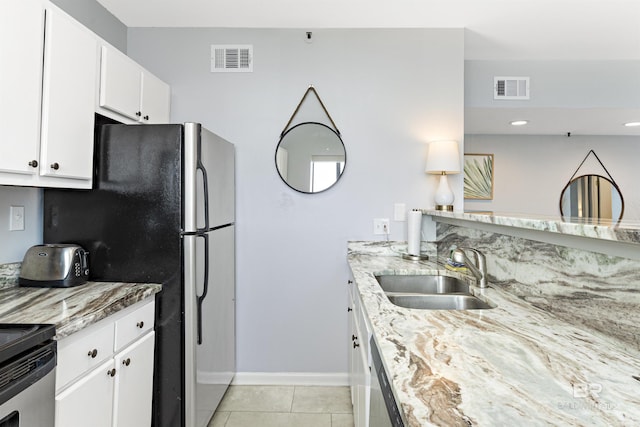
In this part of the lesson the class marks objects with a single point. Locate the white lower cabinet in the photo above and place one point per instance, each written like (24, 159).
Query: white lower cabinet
(359, 360)
(133, 389)
(104, 380)
(84, 402)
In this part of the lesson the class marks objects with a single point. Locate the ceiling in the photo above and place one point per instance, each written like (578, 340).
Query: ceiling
(494, 30)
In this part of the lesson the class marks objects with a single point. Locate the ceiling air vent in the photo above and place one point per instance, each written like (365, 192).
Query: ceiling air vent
(231, 58)
(511, 88)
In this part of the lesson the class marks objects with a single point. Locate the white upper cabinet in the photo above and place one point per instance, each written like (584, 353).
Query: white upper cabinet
(155, 98)
(129, 90)
(70, 74)
(53, 79)
(21, 30)
(120, 83)
(48, 78)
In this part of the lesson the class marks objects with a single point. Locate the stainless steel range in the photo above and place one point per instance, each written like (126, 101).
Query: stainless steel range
(27, 375)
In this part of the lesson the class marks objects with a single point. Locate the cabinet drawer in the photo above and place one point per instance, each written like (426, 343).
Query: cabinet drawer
(77, 355)
(134, 325)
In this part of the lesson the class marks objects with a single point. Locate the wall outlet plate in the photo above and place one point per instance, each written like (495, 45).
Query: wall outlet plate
(381, 226)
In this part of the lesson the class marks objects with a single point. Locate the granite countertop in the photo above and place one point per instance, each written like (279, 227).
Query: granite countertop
(70, 309)
(627, 231)
(511, 365)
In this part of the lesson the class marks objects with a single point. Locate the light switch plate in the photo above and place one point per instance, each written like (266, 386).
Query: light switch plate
(399, 212)
(16, 218)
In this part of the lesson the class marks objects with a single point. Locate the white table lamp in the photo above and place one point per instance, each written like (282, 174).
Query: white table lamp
(443, 157)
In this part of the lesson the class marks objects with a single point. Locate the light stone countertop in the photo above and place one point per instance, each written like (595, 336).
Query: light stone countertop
(70, 309)
(627, 231)
(511, 365)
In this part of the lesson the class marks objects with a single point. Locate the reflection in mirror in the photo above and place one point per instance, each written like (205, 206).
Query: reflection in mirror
(310, 157)
(592, 197)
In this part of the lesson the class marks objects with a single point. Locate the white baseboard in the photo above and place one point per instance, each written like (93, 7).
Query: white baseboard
(291, 378)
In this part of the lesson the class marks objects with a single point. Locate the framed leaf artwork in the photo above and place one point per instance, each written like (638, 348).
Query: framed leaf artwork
(478, 176)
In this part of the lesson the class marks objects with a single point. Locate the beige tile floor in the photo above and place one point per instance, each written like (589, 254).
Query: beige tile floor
(284, 406)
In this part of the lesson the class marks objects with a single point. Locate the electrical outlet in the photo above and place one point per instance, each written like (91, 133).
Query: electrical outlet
(16, 218)
(381, 226)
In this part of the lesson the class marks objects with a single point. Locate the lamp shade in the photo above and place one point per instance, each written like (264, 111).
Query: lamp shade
(443, 156)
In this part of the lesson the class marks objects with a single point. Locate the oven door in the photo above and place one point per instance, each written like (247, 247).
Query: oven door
(27, 389)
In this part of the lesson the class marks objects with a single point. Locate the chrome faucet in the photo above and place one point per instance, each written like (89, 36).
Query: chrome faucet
(478, 267)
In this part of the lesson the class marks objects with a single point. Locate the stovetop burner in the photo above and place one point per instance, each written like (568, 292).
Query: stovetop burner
(17, 338)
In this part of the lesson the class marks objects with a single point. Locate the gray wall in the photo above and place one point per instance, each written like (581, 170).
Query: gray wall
(531, 171)
(13, 244)
(389, 91)
(94, 16)
(568, 84)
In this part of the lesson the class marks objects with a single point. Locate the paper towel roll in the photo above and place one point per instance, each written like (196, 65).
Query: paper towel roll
(414, 231)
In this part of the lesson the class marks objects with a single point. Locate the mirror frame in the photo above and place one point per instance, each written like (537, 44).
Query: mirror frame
(336, 133)
(615, 186)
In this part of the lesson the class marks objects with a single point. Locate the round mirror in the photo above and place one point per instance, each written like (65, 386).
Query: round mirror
(592, 197)
(310, 157)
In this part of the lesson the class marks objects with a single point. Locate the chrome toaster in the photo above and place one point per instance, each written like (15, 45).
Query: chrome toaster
(54, 265)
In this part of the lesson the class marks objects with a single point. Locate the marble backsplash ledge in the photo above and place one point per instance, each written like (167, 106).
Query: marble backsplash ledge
(389, 248)
(590, 290)
(9, 274)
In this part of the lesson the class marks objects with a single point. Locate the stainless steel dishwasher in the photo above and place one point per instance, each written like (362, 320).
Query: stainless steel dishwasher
(383, 410)
(27, 375)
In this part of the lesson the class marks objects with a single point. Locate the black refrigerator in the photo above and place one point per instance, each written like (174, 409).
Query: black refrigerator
(162, 210)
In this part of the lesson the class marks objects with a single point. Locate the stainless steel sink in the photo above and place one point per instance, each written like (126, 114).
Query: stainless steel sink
(430, 292)
(439, 301)
(422, 284)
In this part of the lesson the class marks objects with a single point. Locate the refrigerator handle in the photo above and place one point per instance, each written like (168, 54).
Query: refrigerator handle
(205, 288)
(205, 185)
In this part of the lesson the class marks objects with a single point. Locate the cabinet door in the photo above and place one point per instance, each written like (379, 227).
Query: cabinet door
(88, 402)
(21, 40)
(154, 100)
(69, 90)
(134, 384)
(120, 83)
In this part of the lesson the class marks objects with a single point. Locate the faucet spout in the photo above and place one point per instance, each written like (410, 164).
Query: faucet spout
(478, 266)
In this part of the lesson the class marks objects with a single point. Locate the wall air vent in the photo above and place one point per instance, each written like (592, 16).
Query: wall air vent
(231, 58)
(511, 88)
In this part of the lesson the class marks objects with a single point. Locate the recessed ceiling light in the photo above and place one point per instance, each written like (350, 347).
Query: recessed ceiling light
(519, 122)
(632, 124)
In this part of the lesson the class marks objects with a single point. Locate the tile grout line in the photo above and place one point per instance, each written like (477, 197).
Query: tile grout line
(292, 399)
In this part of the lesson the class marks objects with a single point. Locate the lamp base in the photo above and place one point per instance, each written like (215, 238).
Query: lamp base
(447, 208)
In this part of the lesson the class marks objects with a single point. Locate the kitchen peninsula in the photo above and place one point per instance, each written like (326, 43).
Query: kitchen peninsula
(555, 350)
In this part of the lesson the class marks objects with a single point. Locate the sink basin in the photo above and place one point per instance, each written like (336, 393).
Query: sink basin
(440, 302)
(422, 284)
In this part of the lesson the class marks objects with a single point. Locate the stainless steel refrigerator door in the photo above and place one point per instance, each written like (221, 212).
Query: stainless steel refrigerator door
(215, 350)
(190, 319)
(209, 179)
